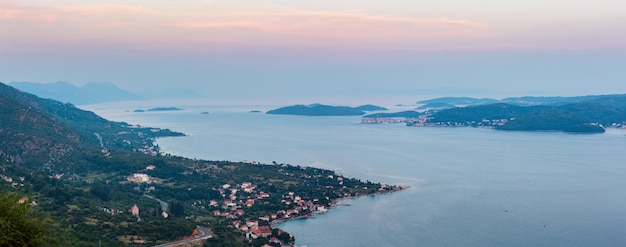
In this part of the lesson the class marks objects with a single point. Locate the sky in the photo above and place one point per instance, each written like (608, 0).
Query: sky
(320, 49)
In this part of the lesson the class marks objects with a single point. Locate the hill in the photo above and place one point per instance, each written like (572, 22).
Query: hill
(445, 102)
(371, 108)
(43, 131)
(402, 114)
(458, 101)
(582, 117)
(321, 110)
(86, 174)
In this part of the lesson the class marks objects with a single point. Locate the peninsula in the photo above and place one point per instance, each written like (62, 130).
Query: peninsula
(106, 182)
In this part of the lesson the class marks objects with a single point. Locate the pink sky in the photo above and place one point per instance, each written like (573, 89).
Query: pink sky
(29, 26)
(204, 44)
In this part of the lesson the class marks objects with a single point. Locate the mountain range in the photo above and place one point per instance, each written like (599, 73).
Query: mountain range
(97, 92)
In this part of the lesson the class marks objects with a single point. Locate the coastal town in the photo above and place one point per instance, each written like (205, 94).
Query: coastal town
(423, 121)
(255, 211)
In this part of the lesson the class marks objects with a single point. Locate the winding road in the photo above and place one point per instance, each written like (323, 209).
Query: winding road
(205, 234)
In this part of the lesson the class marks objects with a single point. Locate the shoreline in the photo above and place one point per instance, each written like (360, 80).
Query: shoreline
(336, 203)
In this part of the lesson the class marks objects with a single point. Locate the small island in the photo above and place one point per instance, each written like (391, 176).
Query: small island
(160, 109)
(325, 110)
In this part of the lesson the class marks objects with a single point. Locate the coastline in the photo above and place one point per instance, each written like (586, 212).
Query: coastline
(337, 203)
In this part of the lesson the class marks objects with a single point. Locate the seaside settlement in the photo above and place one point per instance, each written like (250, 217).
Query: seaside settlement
(256, 208)
(422, 121)
(107, 183)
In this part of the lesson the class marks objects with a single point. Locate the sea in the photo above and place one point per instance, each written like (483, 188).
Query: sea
(469, 186)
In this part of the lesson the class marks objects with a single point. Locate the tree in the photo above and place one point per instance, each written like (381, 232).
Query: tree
(18, 226)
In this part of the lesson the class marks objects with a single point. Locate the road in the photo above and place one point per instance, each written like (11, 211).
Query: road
(205, 234)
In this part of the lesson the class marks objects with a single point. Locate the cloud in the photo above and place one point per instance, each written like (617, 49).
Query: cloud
(120, 23)
(51, 14)
(341, 25)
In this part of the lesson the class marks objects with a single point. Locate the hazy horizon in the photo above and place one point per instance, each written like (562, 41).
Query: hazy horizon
(320, 49)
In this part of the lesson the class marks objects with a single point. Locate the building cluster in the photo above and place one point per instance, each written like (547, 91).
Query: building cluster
(485, 123)
(111, 211)
(139, 178)
(618, 125)
(14, 183)
(383, 120)
(150, 150)
(241, 197)
(420, 121)
(144, 178)
(236, 198)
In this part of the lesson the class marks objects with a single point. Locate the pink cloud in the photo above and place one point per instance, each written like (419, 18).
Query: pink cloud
(341, 25)
(51, 14)
(117, 22)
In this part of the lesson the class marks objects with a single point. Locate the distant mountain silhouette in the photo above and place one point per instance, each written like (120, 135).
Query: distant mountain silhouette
(98, 92)
(90, 93)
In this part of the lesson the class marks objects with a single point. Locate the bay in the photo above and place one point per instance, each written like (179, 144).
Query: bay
(470, 187)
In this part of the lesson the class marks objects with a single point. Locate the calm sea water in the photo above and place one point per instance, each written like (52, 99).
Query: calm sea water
(470, 187)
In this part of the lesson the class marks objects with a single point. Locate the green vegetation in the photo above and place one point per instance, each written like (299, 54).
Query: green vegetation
(458, 101)
(590, 116)
(403, 114)
(371, 108)
(87, 175)
(18, 225)
(552, 121)
(325, 110)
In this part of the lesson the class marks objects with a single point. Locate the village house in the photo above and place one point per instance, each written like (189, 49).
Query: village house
(262, 231)
(275, 240)
(139, 178)
(134, 210)
(239, 212)
(253, 224)
(249, 189)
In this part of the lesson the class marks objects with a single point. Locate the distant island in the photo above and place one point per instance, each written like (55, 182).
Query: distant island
(325, 110)
(521, 101)
(162, 109)
(583, 114)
